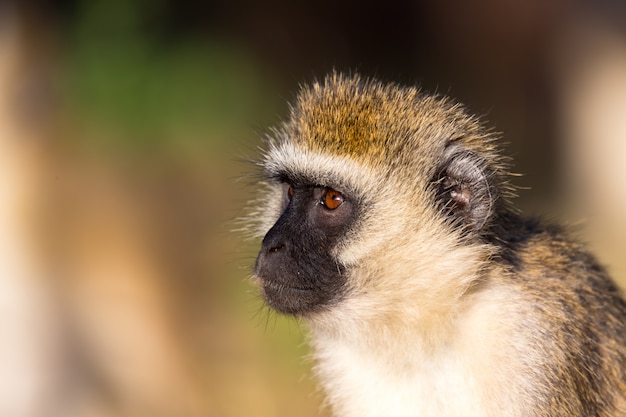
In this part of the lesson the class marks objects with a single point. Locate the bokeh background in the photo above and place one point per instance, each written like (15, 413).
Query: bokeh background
(124, 130)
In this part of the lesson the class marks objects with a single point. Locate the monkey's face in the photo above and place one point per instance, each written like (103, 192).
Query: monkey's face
(295, 267)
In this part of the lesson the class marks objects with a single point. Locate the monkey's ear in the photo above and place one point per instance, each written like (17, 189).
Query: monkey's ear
(464, 188)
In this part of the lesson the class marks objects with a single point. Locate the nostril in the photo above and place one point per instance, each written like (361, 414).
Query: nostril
(276, 248)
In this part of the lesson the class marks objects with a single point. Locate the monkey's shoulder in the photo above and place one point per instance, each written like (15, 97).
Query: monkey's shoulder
(566, 293)
(548, 258)
(534, 249)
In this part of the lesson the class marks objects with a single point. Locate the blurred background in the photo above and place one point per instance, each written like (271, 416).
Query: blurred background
(124, 130)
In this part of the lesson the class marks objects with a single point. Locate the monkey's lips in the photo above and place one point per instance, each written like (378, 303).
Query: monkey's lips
(289, 299)
(283, 290)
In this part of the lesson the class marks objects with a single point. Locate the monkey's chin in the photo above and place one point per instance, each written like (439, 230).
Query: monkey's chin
(291, 300)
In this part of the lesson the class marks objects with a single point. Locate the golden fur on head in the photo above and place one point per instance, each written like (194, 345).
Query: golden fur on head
(385, 126)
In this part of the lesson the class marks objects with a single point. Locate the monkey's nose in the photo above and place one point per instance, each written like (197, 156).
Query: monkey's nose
(273, 241)
(270, 258)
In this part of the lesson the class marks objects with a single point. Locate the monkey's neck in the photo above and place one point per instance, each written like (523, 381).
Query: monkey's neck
(444, 370)
(402, 336)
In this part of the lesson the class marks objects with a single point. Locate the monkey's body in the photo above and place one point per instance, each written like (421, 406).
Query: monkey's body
(389, 230)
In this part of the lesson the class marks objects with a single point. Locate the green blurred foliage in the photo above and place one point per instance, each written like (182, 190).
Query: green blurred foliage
(127, 75)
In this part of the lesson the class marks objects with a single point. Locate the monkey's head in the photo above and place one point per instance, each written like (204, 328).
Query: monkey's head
(378, 199)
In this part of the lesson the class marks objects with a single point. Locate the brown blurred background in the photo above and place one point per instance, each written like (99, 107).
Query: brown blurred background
(123, 127)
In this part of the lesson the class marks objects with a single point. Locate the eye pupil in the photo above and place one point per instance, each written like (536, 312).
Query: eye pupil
(332, 199)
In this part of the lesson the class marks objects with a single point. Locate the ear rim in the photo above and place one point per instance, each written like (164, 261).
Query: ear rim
(466, 189)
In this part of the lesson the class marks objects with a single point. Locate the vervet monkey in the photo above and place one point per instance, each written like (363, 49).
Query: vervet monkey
(389, 229)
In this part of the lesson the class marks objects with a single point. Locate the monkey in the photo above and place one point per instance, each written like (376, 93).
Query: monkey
(389, 227)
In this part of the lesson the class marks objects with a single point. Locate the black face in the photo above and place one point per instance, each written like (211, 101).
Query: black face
(295, 266)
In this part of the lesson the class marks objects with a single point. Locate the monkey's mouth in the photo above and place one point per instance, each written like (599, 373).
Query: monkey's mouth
(273, 286)
(290, 299)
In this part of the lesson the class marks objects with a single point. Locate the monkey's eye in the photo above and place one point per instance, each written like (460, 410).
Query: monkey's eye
(287, 194)
(332, 199)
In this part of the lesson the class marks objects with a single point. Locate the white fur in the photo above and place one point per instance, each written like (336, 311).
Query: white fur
(471, 372)
(322, 168)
